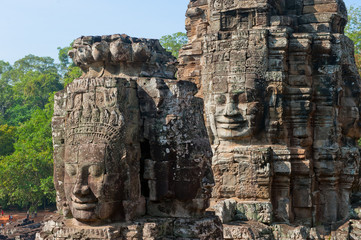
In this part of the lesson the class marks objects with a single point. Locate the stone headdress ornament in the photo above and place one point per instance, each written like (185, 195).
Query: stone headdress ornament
(92, 114)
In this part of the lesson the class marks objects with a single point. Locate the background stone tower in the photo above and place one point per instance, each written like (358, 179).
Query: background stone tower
(282, 106)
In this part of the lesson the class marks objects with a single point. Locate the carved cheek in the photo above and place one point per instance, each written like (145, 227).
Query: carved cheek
(71, 172)
(96, 180)
(220, 103)
(70, 179)
(242, 108)
(220, 109)
(96, 186)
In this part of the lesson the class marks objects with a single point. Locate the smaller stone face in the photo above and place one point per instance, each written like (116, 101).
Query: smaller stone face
(237, 115)
(278, 74)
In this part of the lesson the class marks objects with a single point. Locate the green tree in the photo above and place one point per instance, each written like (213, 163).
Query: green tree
(7, 139)
(72, 73)
(26, 163)
(26, 175)
(172, 43)
(63, 56)
(4, 67)
(353, 27)
(5, 90)
(34, 87)
(26, 86)
(18, 113)
(35, 63)
(353, 31)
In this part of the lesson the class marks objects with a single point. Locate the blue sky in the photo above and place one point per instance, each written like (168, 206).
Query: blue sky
(40, 26)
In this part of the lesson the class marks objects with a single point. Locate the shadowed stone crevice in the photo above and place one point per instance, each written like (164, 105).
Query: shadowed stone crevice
(145, 155)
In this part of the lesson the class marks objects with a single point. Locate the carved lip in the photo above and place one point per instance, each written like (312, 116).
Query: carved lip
(84, 204)
(231, 123)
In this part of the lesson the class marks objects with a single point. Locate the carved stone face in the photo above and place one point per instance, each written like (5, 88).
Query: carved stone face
(236, 115)
(92, 182)
(97, 175)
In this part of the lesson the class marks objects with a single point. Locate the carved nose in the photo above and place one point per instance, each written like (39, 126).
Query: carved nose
(231, 109)
(81, 190)
(81, 187)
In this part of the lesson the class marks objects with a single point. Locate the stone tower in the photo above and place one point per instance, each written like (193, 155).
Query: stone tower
(282, 106)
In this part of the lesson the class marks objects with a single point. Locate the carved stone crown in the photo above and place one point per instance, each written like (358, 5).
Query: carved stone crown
(87, 132)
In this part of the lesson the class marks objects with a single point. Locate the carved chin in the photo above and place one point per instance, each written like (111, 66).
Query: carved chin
(86, 215)
(90, 212)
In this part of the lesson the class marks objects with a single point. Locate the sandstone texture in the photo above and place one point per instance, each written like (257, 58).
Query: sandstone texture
(282, 108)
(256, 138)
(130, 141)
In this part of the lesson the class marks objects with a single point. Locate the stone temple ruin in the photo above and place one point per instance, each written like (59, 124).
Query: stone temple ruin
(130, 144)
(257, 138)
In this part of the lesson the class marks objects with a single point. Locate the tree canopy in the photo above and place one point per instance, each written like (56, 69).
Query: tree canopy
(172, 43)
(353, 31)
(26, 174)
(26, 106)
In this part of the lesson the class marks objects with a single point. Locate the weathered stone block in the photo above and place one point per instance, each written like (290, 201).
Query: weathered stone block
(254, 211)
(226, 210)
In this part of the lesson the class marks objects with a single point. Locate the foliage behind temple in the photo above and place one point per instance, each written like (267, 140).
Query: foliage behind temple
(353, 31)
(26, 108)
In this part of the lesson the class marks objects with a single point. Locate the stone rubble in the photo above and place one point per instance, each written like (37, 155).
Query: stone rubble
(24, 229)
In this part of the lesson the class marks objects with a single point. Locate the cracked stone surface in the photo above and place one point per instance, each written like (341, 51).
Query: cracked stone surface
(130, 141)
(282, 105)
(262, 121)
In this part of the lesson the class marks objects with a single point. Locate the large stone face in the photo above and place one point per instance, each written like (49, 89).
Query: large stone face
(129, 139)
(282, 104)
(100, 149)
